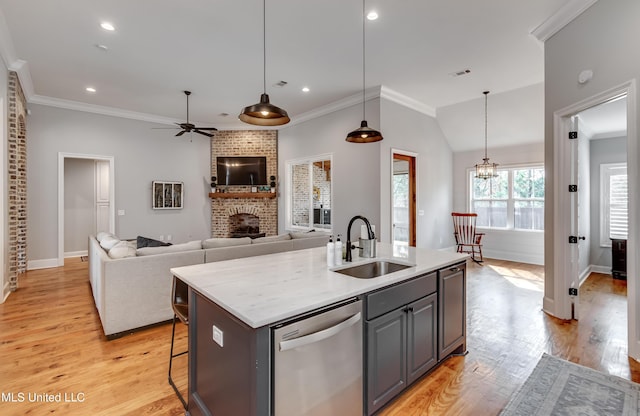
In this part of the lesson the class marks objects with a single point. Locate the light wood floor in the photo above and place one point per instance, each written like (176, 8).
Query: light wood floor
(51, 342)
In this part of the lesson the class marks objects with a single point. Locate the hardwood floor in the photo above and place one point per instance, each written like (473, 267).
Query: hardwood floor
(51, 342)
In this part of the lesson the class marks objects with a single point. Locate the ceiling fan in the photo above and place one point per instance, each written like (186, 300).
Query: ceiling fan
(189, 127)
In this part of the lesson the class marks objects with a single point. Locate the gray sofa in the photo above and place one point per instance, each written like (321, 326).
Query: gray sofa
(132, 287)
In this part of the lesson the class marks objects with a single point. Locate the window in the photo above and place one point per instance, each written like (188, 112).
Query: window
(309, 190)
(512, 200)
(613, 202)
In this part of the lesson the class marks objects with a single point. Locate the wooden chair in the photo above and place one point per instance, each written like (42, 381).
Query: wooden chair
(180, 305)
(467, 239)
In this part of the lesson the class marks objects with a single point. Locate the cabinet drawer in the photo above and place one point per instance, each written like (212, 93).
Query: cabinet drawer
(388, 299)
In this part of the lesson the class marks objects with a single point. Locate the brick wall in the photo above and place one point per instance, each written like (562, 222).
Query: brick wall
(245, 143)
(17, 180)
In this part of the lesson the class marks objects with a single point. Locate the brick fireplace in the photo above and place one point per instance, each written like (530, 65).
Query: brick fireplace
(228, 213)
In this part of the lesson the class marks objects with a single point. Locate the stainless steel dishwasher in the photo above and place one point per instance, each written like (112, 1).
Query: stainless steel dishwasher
(317, 365)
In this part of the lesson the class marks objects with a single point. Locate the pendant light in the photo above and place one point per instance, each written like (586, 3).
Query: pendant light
(264, 113)
(364, 134)
(486, 170)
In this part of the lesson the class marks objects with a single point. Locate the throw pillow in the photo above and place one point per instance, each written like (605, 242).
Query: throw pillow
(108, 242)
(123, 249)
(102, 234)
(149, 242)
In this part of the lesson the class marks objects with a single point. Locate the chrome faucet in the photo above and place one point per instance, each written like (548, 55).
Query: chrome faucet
(371, 240)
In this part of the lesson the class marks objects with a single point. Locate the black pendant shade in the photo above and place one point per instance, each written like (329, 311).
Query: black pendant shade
(264, 113)
(364, 134)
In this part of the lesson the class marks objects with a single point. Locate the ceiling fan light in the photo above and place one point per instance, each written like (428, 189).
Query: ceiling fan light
(364, 134)
(264, 113)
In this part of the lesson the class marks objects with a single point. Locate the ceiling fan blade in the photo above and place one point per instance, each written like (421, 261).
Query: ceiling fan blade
(180, 133)
(206, 128)
(203, 133)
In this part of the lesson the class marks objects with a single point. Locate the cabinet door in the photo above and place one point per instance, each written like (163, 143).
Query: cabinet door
(386, 358)
(452, 310)
(421, 337)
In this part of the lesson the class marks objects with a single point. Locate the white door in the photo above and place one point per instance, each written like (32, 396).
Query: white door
(102, 201)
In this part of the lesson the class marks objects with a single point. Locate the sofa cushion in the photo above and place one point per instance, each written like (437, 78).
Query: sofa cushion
(123, 249)
(308, 234)
(225, 242)
(191, 245)
(108, 242)
(271, 239)
(149, 242)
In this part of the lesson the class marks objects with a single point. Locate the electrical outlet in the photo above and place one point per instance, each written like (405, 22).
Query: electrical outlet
(161, 238)
(120, 212)
(218, 336)
(169, 237)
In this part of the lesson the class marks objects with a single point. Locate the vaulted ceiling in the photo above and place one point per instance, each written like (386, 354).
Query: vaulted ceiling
(215, 49)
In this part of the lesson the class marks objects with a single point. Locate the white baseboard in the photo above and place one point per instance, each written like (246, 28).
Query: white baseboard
(514, 256)
(42, 264)
(76, 254)
(5, 292)
(600, 269)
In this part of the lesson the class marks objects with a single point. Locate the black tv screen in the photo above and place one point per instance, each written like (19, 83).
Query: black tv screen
(242, 170)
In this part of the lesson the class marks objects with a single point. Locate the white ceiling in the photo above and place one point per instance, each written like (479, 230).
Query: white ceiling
(214, 49)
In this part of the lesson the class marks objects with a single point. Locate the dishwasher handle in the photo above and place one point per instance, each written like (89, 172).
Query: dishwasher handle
(320, 335)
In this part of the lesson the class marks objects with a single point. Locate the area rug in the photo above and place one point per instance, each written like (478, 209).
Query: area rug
(559, 387)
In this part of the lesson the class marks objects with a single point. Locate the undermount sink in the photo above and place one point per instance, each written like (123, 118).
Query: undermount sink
(373, 269)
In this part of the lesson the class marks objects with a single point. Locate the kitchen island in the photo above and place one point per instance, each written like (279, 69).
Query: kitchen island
(236, 306)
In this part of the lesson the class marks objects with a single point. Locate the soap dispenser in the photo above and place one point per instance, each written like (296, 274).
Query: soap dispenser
(331, 252)
(338, 251)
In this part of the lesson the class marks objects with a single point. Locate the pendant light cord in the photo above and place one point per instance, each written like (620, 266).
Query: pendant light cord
(363, 60)
(486, 94)
(264, 46)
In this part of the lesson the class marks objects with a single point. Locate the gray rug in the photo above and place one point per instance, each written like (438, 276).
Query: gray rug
(559, 387)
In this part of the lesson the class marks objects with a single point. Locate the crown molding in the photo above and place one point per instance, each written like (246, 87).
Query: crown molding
(99, 109)
(8, 54)
(405, 101)
(561, 18)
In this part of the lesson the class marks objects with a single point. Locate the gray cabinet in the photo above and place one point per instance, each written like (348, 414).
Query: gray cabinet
(386, 358)
(401, 342)
(452, 310)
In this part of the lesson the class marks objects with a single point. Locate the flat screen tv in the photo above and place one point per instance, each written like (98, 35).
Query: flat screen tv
(242, 170)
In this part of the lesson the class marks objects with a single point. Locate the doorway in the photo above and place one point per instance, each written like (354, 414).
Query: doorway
(567, 234)
(84, 206)
(403, 199)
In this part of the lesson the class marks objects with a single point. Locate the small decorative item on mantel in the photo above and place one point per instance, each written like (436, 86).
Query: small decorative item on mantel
(272, 184)
(254, 189)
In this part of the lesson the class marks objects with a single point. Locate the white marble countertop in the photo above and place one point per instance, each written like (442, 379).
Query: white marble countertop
(262, 290)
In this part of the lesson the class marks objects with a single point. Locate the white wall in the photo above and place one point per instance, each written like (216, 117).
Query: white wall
(79, 204)
(409, 130)
(599, 40)
(141, 156)
(523, 246)
(602, 151)
(355, 170)
(4, 236)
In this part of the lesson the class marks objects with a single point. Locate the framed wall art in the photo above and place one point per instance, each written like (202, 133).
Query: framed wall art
(167, 195)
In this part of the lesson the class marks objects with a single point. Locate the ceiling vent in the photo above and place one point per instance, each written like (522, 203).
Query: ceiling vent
(280, 84)
(460, 73)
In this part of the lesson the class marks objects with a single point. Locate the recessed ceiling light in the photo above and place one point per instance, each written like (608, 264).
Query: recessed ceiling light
(372, 15)
(107, 26)
(90, 89)
(305, 89)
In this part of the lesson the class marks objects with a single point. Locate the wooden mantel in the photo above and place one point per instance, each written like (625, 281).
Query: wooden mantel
(229, 195)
